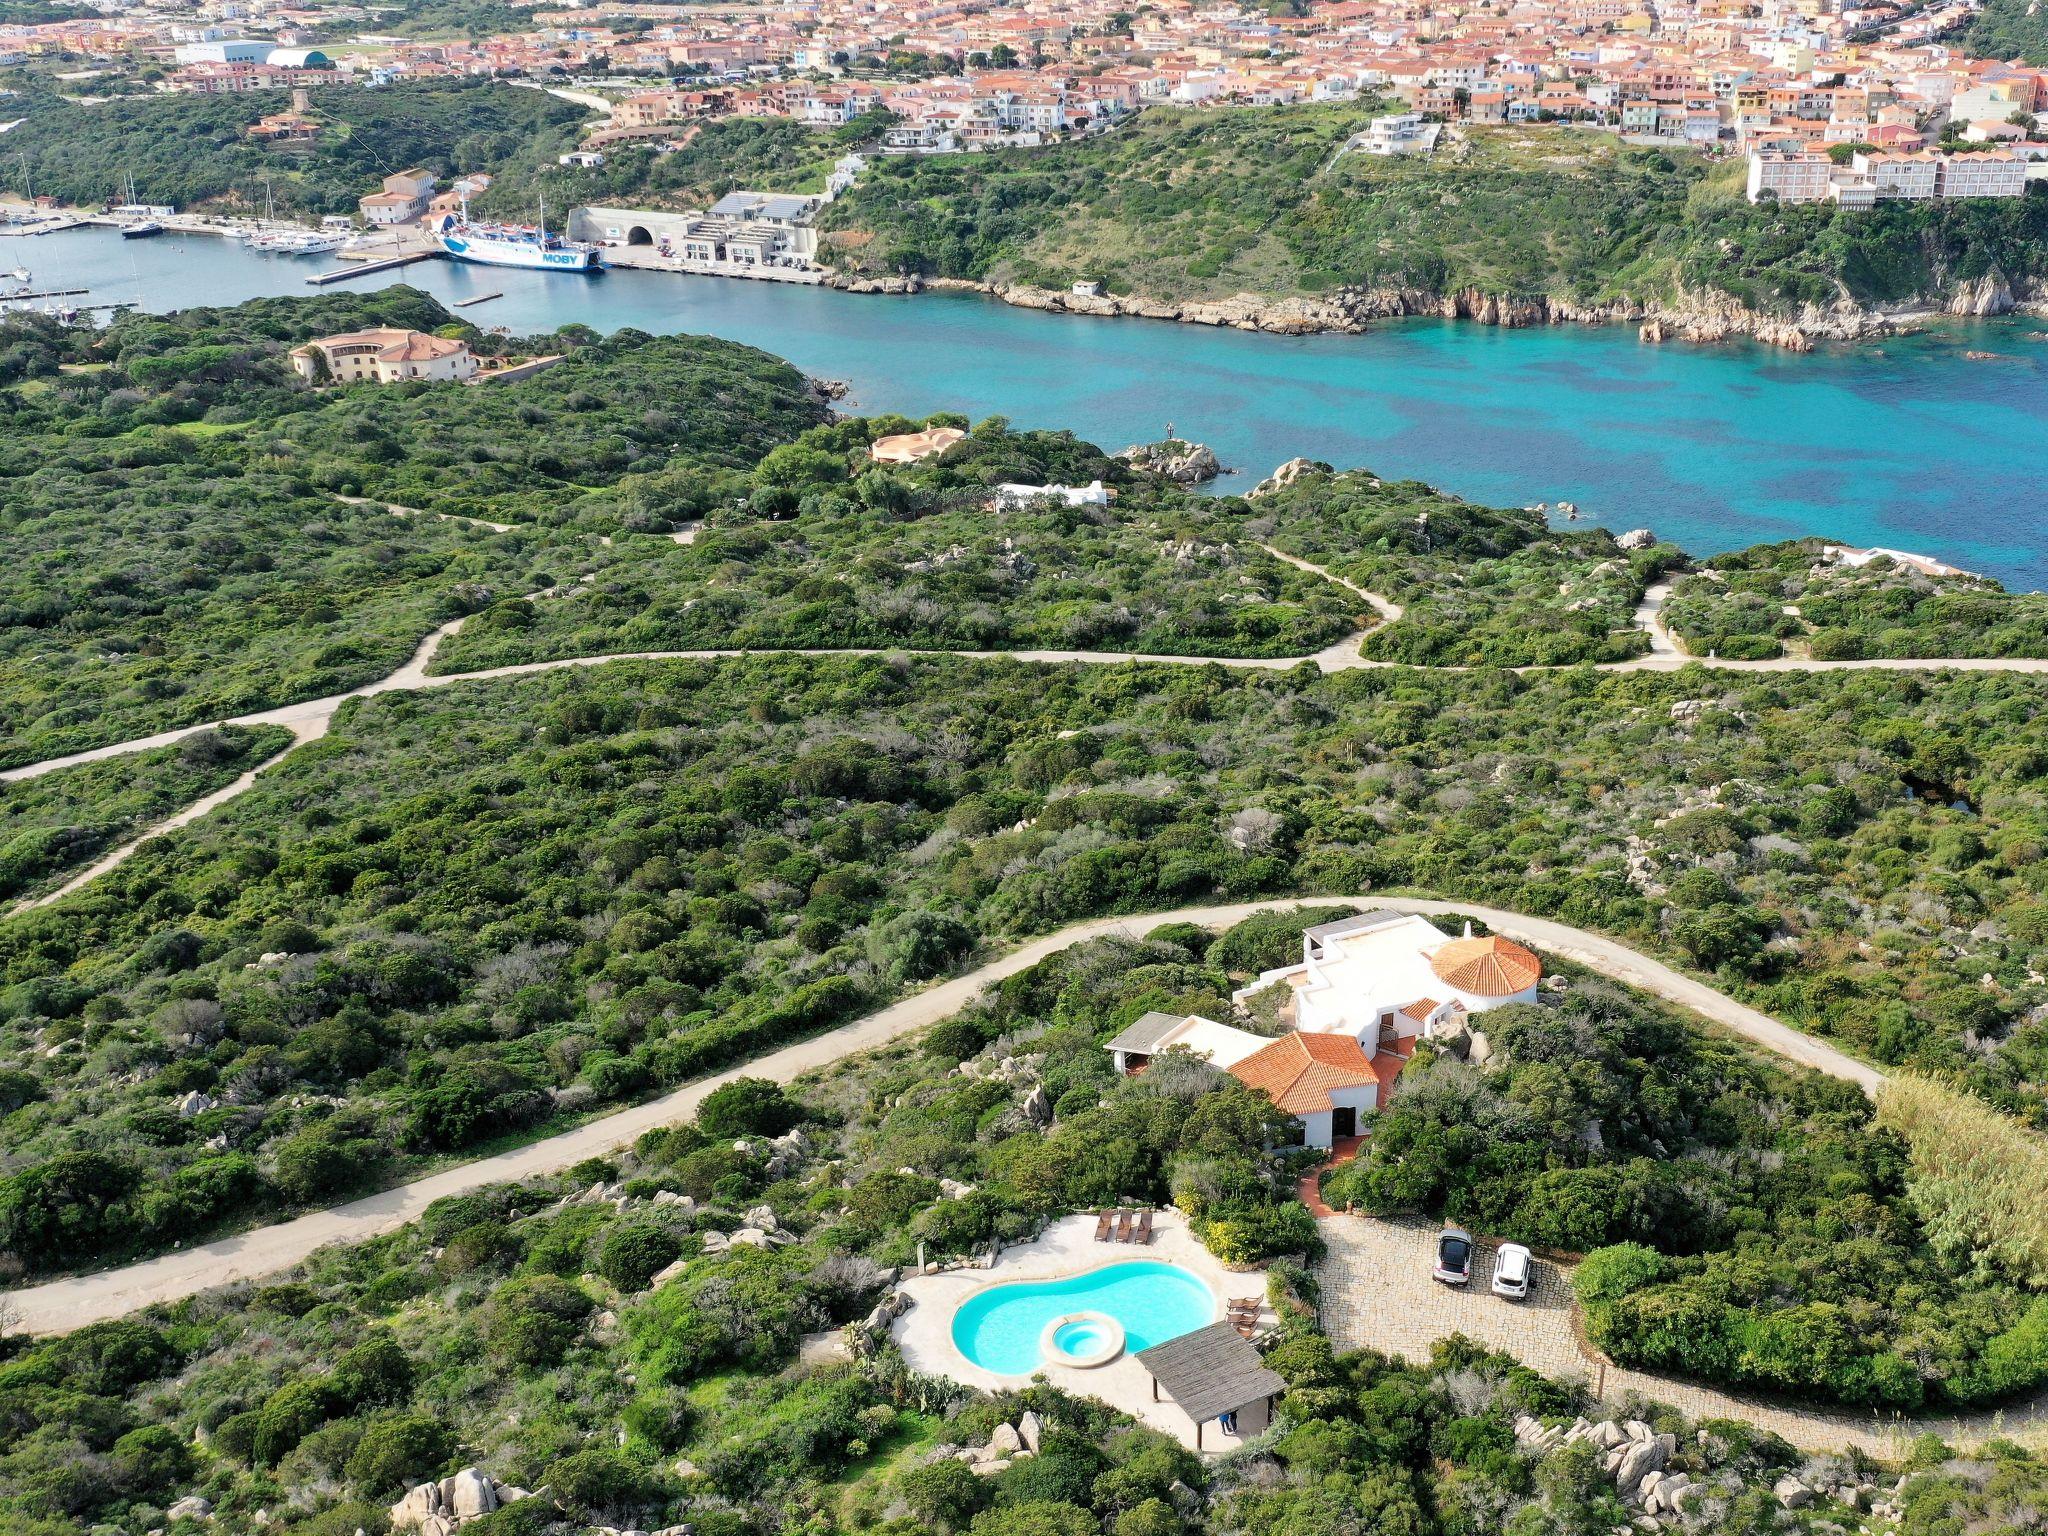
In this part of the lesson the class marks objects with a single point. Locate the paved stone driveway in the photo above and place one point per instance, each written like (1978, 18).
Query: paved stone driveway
(1377, 1294)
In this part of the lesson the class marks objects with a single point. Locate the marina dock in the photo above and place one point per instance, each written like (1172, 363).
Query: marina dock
(385, 264)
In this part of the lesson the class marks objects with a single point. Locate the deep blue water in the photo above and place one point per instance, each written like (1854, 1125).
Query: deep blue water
(1908, 443)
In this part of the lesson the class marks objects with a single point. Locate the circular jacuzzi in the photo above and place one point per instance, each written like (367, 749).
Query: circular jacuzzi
(1081, 1339)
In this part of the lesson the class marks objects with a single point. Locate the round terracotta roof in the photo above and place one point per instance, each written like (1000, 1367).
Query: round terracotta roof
(1492, 967)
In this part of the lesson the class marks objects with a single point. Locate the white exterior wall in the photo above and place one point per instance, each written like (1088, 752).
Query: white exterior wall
(1316, 1129)
(1359, 978)
(1983, 178)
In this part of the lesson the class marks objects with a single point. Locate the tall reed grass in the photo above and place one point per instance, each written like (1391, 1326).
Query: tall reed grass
(1979, 1177)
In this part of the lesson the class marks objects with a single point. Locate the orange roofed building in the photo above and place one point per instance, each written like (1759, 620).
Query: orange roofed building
(385, 356)
(1327, 1082)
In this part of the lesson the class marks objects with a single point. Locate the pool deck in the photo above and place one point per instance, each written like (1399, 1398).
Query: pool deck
(1068, 1247)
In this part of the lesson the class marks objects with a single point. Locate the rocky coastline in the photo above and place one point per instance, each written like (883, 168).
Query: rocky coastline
(1705, 316)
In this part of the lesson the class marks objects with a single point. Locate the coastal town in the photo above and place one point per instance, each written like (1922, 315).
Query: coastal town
(1845, 102)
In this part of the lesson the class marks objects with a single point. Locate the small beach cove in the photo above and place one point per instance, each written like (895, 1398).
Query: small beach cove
(1924, 442)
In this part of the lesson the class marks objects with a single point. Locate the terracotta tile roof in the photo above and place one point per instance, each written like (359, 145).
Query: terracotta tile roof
(1421, 1008)
(1298, 1071)
(1490, 967)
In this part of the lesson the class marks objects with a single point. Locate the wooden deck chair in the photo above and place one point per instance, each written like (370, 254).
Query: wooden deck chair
(1103, 1221)
(1123, 1226)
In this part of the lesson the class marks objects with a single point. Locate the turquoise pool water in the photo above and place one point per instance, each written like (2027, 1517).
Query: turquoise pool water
(999, 1328)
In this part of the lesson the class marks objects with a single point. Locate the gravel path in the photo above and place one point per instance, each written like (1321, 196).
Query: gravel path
(59, 1305)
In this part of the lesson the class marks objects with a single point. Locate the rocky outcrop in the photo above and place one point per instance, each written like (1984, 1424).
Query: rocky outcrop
(1181, 462)
(1641, 1463)
(1988, 295)
(1010, 1443)
(1291, 316)
(1636, 538)
(438, 1509)
(850, 284)
(1286, 475)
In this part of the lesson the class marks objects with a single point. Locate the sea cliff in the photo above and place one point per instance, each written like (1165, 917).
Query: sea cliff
(1704, 316)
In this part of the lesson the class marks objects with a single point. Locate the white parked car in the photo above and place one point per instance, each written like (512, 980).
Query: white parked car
(1512, 1267)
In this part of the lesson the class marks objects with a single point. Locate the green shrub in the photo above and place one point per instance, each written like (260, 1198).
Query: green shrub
(398, 1451)
(748, 1106)
(631, 1255)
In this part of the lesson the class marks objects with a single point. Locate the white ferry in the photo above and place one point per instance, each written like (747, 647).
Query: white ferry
(514, 245)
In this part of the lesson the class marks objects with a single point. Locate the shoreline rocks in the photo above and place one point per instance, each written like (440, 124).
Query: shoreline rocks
(1182, 462)
(1705, 316)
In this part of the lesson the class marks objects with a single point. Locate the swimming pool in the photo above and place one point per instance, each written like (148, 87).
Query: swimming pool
(1005, 1328)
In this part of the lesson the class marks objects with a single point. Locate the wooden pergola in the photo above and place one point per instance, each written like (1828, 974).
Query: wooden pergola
(1211, 1373)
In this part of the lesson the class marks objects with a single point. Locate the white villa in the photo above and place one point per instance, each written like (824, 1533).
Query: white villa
(1366, 989)
(1382, 975)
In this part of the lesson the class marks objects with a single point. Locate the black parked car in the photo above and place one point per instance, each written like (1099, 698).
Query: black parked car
(1453, 1256)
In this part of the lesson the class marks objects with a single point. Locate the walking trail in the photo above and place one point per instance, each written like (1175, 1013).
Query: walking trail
(310, 719)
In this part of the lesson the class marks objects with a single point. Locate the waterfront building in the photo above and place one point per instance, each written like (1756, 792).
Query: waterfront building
(403, 199)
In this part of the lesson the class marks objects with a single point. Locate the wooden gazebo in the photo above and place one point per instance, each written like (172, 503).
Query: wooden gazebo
(1213, 1373)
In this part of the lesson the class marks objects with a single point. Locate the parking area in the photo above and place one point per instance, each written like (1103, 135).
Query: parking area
(1377, 1294)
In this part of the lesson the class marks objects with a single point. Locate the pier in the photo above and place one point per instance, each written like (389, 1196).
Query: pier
(384, 264)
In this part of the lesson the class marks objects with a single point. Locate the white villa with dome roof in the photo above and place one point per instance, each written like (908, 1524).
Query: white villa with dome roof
(1382, 975)
(1367, 988)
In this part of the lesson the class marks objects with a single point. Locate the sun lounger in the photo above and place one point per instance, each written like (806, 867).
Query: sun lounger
(1123, 1226)
(1103, 1222)
(1144, 1232)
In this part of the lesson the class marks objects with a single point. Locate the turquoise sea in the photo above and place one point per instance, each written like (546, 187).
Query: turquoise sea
(1908, 443)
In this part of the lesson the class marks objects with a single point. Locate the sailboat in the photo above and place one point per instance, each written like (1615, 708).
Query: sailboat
(144, 228)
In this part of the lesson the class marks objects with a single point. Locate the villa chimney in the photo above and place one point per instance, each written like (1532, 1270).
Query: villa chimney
(1468, 927)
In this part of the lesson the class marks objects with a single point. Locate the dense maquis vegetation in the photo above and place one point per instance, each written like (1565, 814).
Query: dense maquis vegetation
(173, 500)
(2007, 29)
(52, 825)
(1481, 586)
(513, 901)
(1760, 1227)
(628, 433)
(832, 550)
(1777, 598)
(178, 591)
(1205, 204)
(593, 1348)
(190, 150)
(715, 158)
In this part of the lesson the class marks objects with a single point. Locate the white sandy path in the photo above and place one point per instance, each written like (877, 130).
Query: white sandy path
(1649, 618)
(60, 1305)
